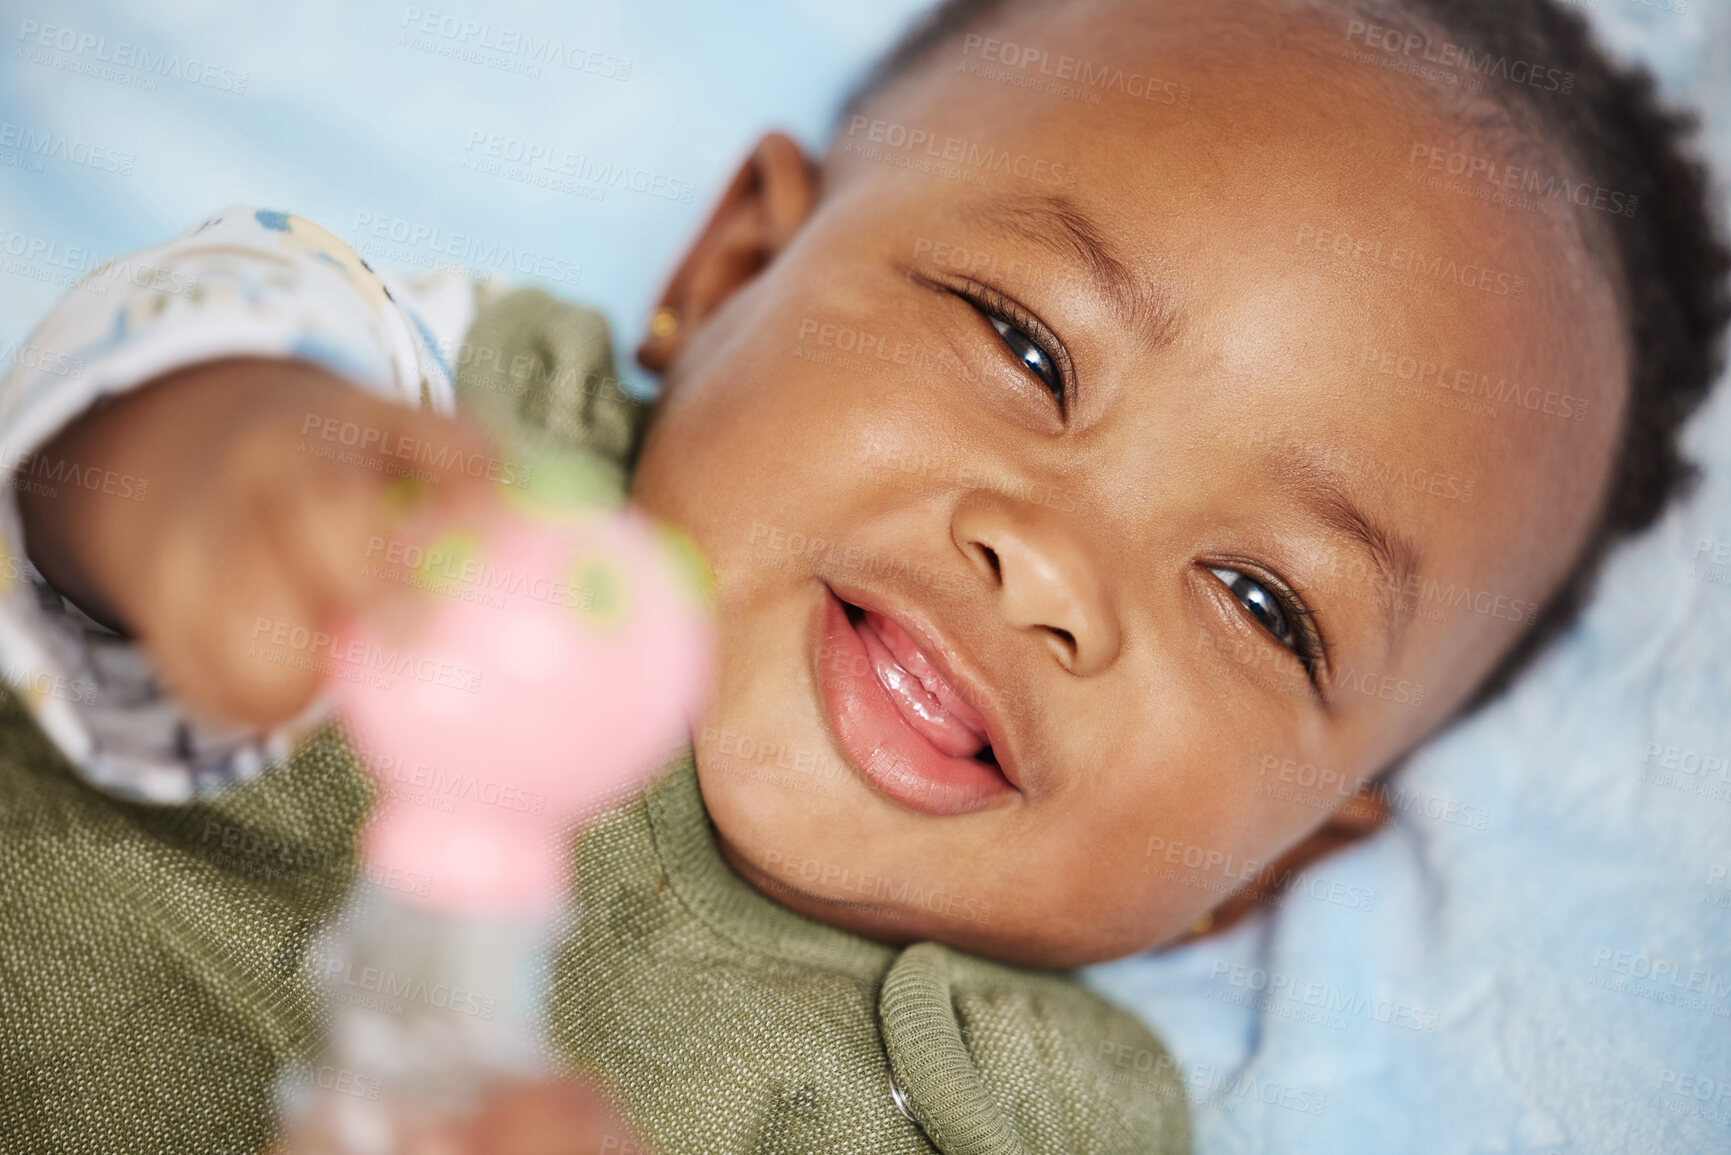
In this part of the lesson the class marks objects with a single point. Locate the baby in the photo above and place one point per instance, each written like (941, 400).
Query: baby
(1137, 398)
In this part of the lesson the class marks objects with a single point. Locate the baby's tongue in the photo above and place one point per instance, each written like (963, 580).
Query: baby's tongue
(927, 702)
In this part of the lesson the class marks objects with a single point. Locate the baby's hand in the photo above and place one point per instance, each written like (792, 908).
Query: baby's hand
(267, 483)
(552, 1118)
(556, 1117)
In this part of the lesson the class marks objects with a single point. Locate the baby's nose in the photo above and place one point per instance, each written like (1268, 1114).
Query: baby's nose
(1044, 575)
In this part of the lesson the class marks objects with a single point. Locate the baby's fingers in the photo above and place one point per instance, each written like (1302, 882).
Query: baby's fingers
(556, 1117)
(298, 554)
(252, 652)
(347, 526)
(561, 1117)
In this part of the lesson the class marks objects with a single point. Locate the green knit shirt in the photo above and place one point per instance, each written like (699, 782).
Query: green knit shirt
(154, 973)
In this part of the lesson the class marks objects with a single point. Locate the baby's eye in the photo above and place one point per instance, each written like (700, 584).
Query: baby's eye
(1040, 350)
(1263, 605)
(1028, 351)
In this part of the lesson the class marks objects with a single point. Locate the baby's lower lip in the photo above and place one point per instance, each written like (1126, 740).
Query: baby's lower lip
(911, 744)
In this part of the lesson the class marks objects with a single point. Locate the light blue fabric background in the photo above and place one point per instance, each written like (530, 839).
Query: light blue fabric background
(344, 122)
(1530, 945)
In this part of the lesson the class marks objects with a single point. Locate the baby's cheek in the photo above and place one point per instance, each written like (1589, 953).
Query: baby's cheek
(1211, 818)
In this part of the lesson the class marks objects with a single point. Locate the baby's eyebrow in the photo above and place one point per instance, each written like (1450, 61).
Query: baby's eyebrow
(1396, 557)
(1061, 226)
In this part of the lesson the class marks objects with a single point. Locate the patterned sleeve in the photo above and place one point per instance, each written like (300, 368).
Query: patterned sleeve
(244, 282)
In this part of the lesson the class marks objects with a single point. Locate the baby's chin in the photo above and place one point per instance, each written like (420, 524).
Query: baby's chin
(1033, 945)
(827, 877)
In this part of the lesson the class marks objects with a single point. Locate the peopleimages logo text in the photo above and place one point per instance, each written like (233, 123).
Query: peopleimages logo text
(515, 42)
(87, 46)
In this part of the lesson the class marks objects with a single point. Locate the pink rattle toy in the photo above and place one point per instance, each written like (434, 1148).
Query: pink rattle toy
(551, 663)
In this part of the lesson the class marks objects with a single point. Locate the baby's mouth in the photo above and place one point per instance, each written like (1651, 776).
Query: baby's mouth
(925, 700)
(898, 714)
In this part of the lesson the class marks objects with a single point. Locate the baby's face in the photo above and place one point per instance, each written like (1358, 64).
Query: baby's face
(1090, 524)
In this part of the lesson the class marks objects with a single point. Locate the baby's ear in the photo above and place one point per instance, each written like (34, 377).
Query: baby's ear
(771, 197)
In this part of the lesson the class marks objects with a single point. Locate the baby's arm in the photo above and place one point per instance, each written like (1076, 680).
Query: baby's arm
(169, 489)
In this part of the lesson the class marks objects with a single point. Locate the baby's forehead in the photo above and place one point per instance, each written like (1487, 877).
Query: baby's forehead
(1101, 75)
(1083, 96)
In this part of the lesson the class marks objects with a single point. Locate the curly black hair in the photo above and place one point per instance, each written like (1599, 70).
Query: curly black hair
(1668, 262)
